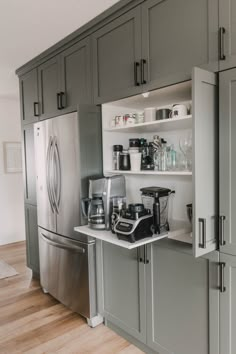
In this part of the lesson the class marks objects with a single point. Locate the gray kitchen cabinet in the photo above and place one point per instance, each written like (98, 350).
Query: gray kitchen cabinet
(65, 80)
(116, 57)
(176, 36)
(29, 97)
(29, 164)
(124, 290)
(227, 24)
(182, 302)
(227, 162)
(76, 78)
(49, 87)
(228, 305)
(163, 297)
(32, 246)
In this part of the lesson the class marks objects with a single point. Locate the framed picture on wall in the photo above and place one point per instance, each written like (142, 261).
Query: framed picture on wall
(12, 157)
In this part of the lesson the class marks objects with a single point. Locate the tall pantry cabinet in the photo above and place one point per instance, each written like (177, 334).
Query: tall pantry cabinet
(227, 211)
(30, 115)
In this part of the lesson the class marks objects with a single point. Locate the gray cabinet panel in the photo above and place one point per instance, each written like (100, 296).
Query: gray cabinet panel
(76, 74)
(176, 36)
(124, 290)
(181, 293)
(227, 17)
(49, 86)
(227, 161)
(32, 245)
(29, 97)
(205, 162)
(116, 48)
(228, 306)
(29, 164)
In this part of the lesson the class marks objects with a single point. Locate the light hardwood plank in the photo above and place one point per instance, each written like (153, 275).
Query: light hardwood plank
(32, 322)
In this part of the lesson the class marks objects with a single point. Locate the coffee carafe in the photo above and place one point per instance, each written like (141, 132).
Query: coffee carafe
(99, 206)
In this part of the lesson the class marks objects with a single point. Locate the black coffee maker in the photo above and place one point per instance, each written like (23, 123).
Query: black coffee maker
(156, 199)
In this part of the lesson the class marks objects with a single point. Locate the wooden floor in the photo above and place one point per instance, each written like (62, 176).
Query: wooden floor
(32, 322)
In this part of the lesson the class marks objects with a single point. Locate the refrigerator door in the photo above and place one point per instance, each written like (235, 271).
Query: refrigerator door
(43, 138)
(67, 186)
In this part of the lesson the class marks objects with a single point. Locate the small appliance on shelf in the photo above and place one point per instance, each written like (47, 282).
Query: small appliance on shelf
(143, 220)
(98, 207)
(157, 199)
(135, 224)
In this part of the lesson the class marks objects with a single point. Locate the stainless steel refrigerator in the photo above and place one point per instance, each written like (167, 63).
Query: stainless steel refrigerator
(68, 150)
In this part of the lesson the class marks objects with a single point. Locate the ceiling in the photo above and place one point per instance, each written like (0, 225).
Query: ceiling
(28, 27)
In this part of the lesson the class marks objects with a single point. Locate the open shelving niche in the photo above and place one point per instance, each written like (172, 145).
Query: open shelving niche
(171, 130)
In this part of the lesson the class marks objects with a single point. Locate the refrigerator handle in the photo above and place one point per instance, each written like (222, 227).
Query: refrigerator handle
(58, 174)
(48, 170)
(54, 175)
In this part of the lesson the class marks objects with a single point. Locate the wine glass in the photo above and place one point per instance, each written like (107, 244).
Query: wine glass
(185, 145)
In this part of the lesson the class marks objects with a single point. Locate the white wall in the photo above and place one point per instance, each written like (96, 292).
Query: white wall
(12, 227)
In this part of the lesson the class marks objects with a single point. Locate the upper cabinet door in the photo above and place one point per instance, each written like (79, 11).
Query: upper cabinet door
(227, 34)
(205, 161)
(76, 78)
(176, 36)
(49, 88)
(29, 97)
(116, 58)
(227, 161)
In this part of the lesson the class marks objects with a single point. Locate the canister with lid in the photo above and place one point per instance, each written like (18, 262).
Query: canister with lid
(117, 149)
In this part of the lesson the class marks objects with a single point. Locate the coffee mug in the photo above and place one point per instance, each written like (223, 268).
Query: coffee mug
(178, 110)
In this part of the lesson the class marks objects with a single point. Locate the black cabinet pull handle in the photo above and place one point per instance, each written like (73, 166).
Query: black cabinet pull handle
(222, 278)
(36, 109)
(62, 100)
(58, 101)
(222, 43)
(143, 62)
(202, 223)
(146, 261)
(222, 230)
(136, 65)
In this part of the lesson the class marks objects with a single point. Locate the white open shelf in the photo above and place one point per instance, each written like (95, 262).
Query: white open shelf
(186, 238)
(177, 228)
(145, 172)
(156, 126)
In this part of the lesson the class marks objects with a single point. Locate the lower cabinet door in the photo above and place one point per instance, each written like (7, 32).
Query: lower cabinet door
(124, 290)
(228, 305)
(32, 244)
(182, 302)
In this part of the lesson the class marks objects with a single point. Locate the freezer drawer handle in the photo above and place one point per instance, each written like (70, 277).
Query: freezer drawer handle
(222, 229)
(60, 245)
(202, 233)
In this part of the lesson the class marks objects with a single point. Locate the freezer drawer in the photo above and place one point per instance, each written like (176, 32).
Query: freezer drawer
(67, 272)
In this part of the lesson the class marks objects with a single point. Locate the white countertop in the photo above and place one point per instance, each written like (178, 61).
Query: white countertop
(176, 228)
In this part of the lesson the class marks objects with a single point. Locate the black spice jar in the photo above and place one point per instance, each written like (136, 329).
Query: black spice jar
(117, 149)
(134, 143)
(124, 161)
